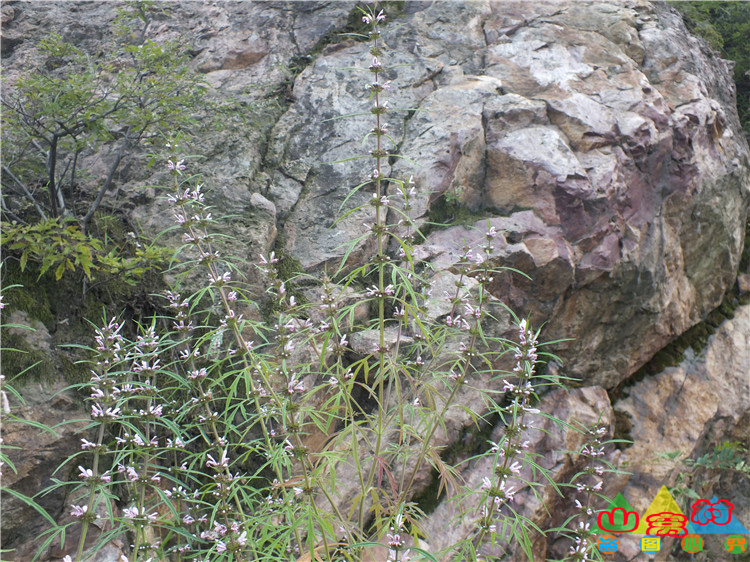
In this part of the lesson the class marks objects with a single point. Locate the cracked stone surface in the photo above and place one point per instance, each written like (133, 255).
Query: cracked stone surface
(599, 138)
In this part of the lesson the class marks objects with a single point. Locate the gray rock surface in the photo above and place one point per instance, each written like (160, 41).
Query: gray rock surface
(600, 139)
(689, 409)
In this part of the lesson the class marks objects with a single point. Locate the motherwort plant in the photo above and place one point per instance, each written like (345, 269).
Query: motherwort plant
(217, 437)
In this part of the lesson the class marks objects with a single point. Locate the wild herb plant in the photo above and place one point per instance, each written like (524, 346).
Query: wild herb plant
(218, 437)
(726, 458)
(580, 527)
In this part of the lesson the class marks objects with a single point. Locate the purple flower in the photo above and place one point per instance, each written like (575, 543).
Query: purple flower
(394, 541)
(78, 511)
(222, 463)
(295, 385)
(197, 374)
(98, 412)
(179, 166)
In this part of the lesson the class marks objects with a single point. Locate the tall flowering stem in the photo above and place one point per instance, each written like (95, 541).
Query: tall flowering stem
(104, 410)
(478, 266)
(588, 483)
(380, 203)
(495, 487)
(273, 399)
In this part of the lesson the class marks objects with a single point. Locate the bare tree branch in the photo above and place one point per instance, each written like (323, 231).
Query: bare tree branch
(107, 183)
(8, 212)
(26, 192)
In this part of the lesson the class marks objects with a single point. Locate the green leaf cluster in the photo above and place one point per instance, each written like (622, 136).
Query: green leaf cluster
(60, 246)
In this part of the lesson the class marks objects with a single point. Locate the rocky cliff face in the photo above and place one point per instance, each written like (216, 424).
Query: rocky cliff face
(600, 138)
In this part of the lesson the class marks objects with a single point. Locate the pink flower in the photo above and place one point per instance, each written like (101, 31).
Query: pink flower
(179, 166)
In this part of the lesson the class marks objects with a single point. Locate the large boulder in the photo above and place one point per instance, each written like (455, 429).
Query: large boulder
(599, 138)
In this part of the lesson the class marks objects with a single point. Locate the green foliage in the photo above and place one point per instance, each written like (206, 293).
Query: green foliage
(60, 246)
(729, 456)
(135, 92)
(726, 26)
(53, 116)
(230, 438)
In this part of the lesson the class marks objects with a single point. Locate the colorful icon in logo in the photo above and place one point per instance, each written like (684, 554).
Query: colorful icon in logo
(608, 543)
(663, 517)
(715, 517)
(618, 519)
(736, 544)
(650, 544)
(692, 543)
(718, 513)
(667, 524)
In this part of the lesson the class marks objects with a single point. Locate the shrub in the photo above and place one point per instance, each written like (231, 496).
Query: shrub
(73, 106)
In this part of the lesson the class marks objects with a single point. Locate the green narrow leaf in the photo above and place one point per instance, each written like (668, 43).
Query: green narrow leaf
(31, 503)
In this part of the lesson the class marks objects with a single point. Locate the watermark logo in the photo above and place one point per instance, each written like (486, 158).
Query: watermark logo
(705, 512)
(692, 543)
(736, 544)
(650, 544)
(608, 543)
(618, 520)
(663, 518)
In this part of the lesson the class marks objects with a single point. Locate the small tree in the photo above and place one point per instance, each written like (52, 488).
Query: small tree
(78, 104)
